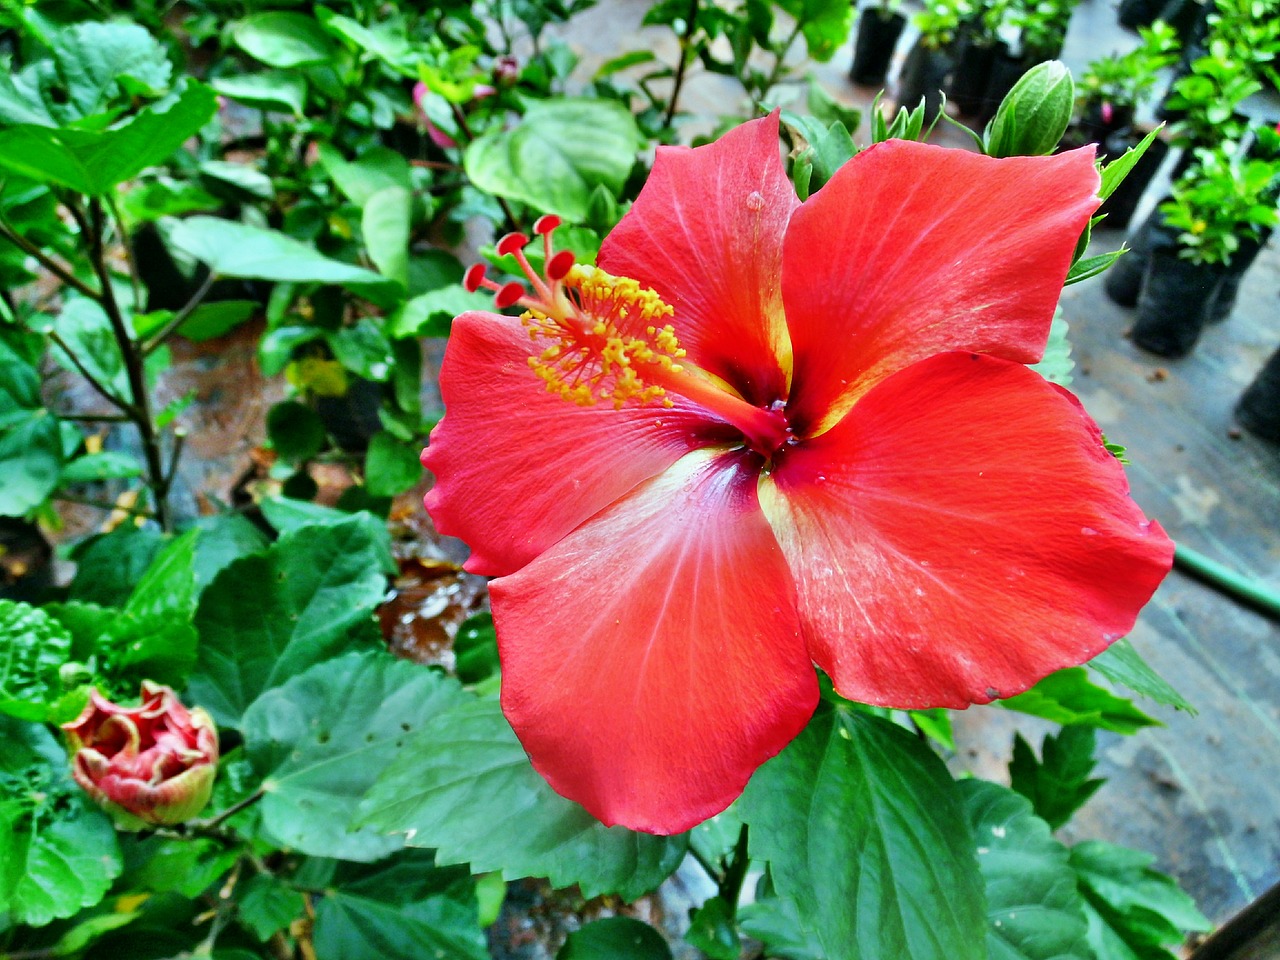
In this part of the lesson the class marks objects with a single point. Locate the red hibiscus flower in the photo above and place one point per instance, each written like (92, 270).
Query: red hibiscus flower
(799, 433)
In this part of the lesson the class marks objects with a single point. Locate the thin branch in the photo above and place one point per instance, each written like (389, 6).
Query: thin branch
(94, 417)
(57, 269)
(107, 507)
(179, 439)
(689, 27)
(118, 402)
(214, 822)
(181, 316)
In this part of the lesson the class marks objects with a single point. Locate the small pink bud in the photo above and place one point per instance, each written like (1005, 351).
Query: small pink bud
(149, 765)
(483, 90)
(419, 94)
(506, 70)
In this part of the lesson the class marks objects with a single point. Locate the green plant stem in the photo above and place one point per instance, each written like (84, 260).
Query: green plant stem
(214, 822)
(778, 67)
(181, 316)
(131, 352)
(730, 886)
(689, 27)
(1233, 584)
(42, 258)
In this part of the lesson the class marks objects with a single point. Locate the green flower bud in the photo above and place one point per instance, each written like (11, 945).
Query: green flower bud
(1034, 115)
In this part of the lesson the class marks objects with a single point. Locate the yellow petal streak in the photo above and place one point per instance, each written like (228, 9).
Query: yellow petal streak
(600, 337)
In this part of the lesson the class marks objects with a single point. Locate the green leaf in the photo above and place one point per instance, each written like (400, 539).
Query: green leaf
(211, 320)
(58, 854)
(1123, 665)
(188, 866)
(33, 648)
(385, 227)
(863, 830)
(168, 588)
(556, 155)
(378, 169)
(775, 922)
(110, 566)
(273, 90)
(239, 176)
(266, 618)
(1130, 905)
(475, 649)
(1058, 785)
(266, 905)
(1087, 267)
(287, 514)
(224, 537)
(350, 927)
(465, 787)
(712, 931)
(391, 467)
(615, 938)
(281, 39)
(94, 161)
(1113, 173)
(363, 349)
(387, 41)
(431, 314)
(825, 24)
(321, 740)
(239, 250)
(1067, 697)
(296, 431)
(1033, 907)
(1056, 364)
(95, 467)
(30, 451)
(84, 327)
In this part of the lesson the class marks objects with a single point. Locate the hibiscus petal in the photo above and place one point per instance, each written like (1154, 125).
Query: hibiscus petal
(652, 660)
(912, 250)
(961, 534)
(516, 467)
(706, 234)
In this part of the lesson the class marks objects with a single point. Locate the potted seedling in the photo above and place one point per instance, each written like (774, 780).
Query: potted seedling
(1265, 146)
(879, 27)
(1259, 408)
(1219, 202)
(924, 75)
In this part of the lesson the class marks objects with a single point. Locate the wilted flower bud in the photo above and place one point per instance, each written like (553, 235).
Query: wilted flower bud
(152, 764)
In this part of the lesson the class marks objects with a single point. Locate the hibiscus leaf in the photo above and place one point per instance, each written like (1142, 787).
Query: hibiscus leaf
(1133, 910)
(320, 740)
(1123, 665)
(58, 853)
(33, 648)
(863, 830)
(350, 927)
(558, 153)
(1034, 909)
(824, 23)
(265, 618)
(1067, 697)
(465, 787)
(615, 938)
(1059, 784)
(775, 922)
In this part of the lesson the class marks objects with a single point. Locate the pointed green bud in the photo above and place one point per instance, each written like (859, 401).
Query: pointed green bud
(1034, 115)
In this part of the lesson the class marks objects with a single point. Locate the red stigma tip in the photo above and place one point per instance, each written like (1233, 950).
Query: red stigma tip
(508, 294)
(546, 223)
(472, 278)
(511, 243)
(560, 264)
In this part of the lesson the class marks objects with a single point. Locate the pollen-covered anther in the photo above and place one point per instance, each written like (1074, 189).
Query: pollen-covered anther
(605, 345)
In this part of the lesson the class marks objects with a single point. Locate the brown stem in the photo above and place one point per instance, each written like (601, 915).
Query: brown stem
(181, 316)
(214, 822)
(118, 402)
(133, 361)
(42, 258)
(689, 27)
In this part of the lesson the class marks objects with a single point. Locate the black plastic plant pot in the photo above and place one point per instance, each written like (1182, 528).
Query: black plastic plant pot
(1139, 13)
(878, 33)
(972, 73)
(1006, 70)
(1177, 296)
(1119, 207)
(1259, 408)
(1250, 247)
(1123, 279)
(924, 76)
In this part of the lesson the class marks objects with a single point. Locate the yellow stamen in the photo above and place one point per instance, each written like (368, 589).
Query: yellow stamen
(600, 346)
